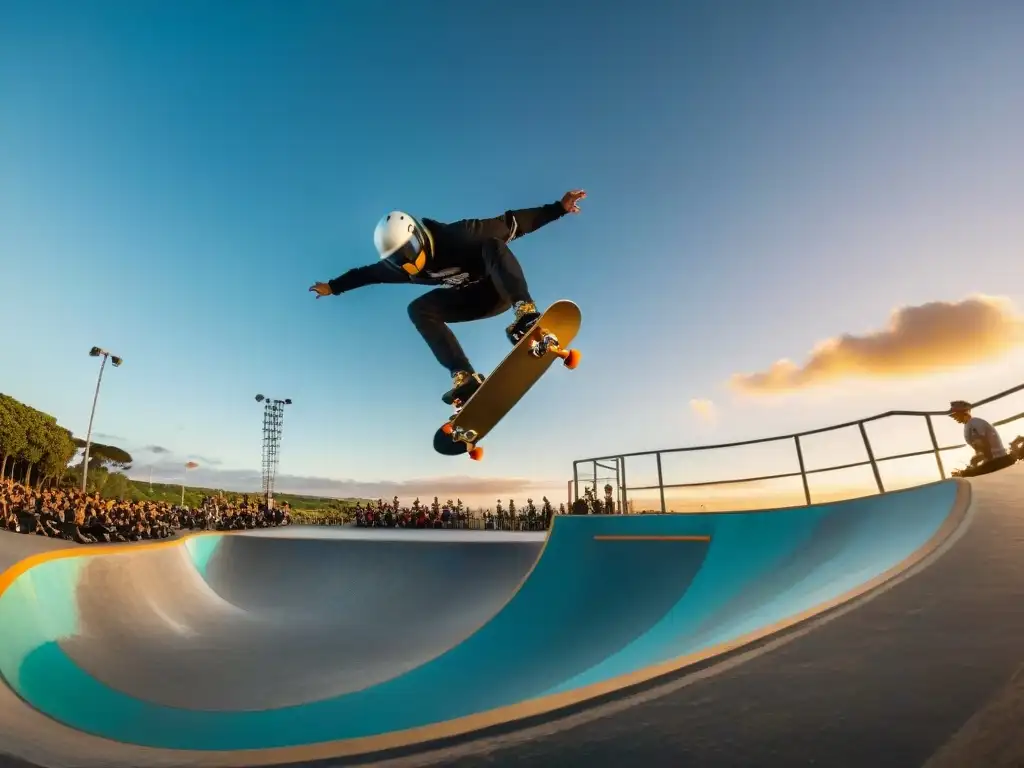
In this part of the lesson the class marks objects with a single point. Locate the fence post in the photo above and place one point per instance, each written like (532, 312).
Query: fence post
(625, 500)
(620, 510)
(935, 446)
(661, 483)
(871, 457)
(803, 469)
(575, 482)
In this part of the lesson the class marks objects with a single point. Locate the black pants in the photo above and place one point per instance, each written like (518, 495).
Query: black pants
(502, 286)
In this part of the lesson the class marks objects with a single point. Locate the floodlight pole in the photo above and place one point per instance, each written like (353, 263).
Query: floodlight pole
(94, 352)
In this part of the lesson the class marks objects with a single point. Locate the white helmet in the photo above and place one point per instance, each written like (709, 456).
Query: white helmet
(402, 242)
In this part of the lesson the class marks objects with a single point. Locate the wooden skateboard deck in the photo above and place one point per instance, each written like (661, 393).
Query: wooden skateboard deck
(548, 340)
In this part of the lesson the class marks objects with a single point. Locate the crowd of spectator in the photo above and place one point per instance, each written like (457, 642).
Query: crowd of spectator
(455, 514)
(68, 513)
(86, 518)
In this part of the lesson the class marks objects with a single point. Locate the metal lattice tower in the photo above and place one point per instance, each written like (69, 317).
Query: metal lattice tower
(273, 419)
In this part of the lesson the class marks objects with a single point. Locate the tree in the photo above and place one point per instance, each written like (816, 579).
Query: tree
(108, 456)
(531, 508)
(61, 450)
(33, 443)
(117, 485)
(36, 436)
(97, 479)
(435, 508)
(36, 448)
(511, 507)
(13, 432)
(546, 507)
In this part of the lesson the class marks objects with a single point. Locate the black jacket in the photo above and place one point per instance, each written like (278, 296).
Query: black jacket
(457, 256)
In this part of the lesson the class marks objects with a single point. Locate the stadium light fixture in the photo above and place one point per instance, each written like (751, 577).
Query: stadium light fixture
(273, 418)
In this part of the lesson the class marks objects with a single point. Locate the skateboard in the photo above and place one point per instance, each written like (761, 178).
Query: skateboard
(548, 340)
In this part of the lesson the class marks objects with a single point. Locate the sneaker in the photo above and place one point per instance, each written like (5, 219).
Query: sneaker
(526, 317)
(464, 384)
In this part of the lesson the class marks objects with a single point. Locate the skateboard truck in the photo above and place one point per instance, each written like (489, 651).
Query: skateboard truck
(467, 436)
(548, 342)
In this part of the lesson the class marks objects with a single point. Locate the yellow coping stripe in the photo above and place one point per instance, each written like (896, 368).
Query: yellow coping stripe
(120, 548)
(652, 538)
(248, 758)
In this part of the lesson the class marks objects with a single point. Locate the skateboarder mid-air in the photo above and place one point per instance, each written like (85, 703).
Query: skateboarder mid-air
(477, 274)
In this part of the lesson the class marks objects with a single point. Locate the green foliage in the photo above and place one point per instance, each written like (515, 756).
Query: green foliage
(62, 450)
(310, 506)
(139, 490)
(317, 503)
(101, 455)
(13, 434)
(33, 446)
(117, 486)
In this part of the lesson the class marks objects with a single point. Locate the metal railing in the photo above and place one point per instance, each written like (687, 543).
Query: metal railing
(623, 489)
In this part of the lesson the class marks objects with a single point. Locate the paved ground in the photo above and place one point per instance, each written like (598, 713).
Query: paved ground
(895, 681)
(15, 547)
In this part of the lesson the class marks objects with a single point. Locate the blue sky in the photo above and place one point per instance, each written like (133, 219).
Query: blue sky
(760, 177)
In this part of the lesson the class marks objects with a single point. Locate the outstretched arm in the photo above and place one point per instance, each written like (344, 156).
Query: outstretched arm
(514, 224)
(371, 274)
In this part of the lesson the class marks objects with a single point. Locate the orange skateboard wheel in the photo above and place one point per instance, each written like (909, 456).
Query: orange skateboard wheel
(477, 453)
(447, 428)
(571, 358)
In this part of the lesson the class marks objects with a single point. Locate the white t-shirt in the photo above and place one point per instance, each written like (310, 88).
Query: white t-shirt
(979, 429)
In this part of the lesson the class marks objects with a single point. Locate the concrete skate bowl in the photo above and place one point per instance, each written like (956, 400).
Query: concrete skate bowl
(232, 650)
